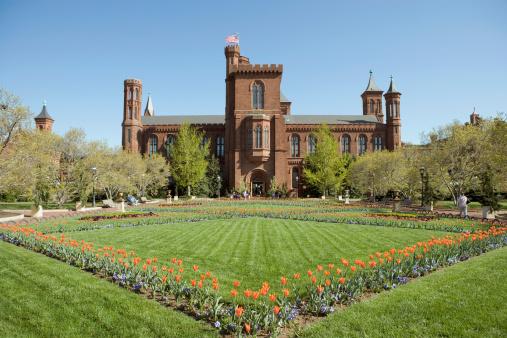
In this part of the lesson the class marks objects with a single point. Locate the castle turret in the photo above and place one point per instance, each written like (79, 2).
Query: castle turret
(232, 55)
(372, 99)
(44, 121)
(132, 125)
(392, 97)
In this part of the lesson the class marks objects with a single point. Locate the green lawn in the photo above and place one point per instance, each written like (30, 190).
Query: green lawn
(254, 250)
(466, 300)
(42, 297)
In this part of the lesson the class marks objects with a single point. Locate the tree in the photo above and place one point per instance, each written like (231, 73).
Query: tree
(325, 168)
(188, 161)
(14, 117)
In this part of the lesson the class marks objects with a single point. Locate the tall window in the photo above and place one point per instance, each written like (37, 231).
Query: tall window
(130, 113)
(153, 144)
(345, 144)
(294, 146)
(378, 143)
(169, 142)
(312, 144)
(362, 144)
(131, 91)
(258, 137)
(266, 137)
(258, 95)
(129, 136)
(220, 146)
(295, 177)
(204, 141)
(372, 109)
(136, 95)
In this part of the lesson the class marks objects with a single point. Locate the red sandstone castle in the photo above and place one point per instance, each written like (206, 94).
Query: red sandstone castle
(258, 138)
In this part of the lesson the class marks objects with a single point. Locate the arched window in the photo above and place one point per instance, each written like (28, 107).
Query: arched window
(372, 107)
(294, 146)
(378, 143)
(131, 93)
(266, 137)
(258, 95)
(129, 136)
(130, 113)
(204, 141)
(136, 95)
(258, 137)
(362, 144)
(169, 142)
(312, 144)
(153, 144)
(220, 146)
(345, 144)
(295, 177)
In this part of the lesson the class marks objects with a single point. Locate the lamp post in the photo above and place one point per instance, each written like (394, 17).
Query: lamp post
(372, 176)
(94, 172)
(297, 186)
(218, 185)
(422, 170)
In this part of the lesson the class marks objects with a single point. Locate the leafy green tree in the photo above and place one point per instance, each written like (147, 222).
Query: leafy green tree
(325, 168)
(14, 117)
(188, 161)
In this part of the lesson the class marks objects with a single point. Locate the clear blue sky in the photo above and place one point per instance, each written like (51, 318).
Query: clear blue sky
(446, 56)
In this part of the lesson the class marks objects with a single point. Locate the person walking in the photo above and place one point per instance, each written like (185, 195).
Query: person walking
(462, 206)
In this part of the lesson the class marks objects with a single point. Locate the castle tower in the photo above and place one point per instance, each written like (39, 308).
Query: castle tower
(474, 118)
(132, 125)
(372, 99)
(232, 55)
(392, 97)
(44, 121)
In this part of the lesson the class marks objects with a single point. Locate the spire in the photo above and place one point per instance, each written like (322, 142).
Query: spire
(372, 86)
(392, 87)
(44, 113)
(149, 111)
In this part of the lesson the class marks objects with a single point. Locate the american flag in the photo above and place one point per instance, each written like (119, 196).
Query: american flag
(232, 39)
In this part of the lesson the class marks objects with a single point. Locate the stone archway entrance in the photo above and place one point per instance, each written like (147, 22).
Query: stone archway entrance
(256, 180)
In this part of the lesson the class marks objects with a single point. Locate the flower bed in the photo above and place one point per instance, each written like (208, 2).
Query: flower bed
(316, 291)
(117, 215)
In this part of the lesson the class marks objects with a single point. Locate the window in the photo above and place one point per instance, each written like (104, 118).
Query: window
(204, 141)
(258, 95)
(129, 136)
(130, 113)
(153, 144)
(220, 146)
(294, 146)
(378, 143)
(169, 142)
(312, 144)
(362, 144)
(131, 93)
(266, 137)
(295, 178)
(136, 96)
(372, 108)
(258, 137)
(345, 144)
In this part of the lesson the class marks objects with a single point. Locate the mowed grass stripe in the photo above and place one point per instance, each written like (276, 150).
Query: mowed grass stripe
(253, 250)
(46, 298)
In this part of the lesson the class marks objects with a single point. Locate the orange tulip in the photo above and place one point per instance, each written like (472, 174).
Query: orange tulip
(239, 311)
(193, 282)
(297, 276)
(272, 297)
(195, 267)
(276, 309)
(145, 267)
(283, 280)
(255, 295)
(314, 280)
(286, 292)
(236, 284)
(310, 273)
(247, 328)
(320, 289)
(341, 280)
(328, 282)
(247, 293)
(234, 293)
(164, 279)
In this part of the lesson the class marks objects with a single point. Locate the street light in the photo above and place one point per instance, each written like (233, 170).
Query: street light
(372, 176)
(297, 186)
(94, 172)
(422, 170)
(218, 180)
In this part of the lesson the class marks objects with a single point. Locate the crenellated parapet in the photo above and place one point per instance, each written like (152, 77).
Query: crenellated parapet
(257, 68)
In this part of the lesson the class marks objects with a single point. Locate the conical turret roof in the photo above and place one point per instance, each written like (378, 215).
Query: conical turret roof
(149, 110)
(44, 113)
(392, 87)
(372, 86)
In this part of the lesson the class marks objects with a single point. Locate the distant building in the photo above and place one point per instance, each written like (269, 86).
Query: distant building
(258, 138)
(44, 121)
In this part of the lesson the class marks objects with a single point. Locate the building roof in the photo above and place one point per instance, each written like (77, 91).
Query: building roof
(330, 119)
(44, 113)
(149, 111)
(289, 119)
(180, 119)
(392, 87)
(372, 86)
